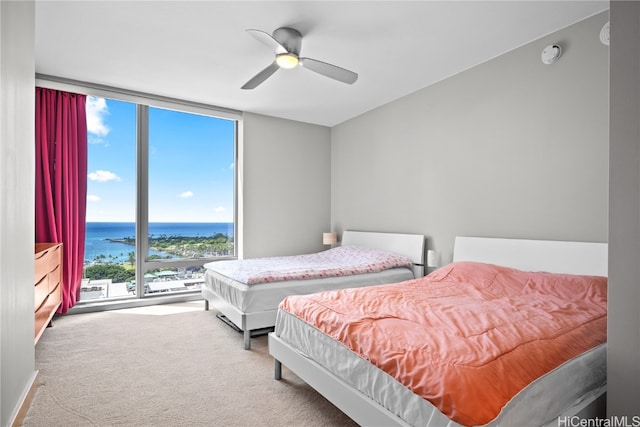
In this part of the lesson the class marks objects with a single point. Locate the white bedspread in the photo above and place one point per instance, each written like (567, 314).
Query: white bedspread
(336, 262)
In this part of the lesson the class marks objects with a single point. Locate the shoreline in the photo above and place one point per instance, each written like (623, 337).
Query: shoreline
(168, 247)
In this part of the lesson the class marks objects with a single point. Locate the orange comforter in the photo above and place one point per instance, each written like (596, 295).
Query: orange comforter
(469, 336)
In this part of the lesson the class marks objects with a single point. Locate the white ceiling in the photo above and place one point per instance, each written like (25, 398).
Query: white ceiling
(199, 51)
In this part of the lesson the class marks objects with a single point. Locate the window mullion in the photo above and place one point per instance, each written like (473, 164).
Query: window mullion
(142, 196)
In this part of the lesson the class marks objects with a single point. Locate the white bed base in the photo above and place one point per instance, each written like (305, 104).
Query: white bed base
(537, 255)
(247, 322)
(409, 245)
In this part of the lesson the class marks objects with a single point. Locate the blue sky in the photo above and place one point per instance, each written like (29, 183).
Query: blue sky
(191, 166)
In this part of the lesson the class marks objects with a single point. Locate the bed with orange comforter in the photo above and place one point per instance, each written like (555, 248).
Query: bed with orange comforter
(469, 344)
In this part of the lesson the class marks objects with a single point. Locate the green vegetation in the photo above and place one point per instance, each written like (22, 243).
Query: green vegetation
(116, 273)
(186, 247)
(102, 258)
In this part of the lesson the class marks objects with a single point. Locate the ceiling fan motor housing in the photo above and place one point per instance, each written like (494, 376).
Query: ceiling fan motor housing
(289, 38)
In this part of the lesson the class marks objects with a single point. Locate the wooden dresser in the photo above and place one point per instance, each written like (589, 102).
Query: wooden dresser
(48, 282)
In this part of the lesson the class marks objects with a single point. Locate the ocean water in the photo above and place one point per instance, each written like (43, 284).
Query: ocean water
(98, 233)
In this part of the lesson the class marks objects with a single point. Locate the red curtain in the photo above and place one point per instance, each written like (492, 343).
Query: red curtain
(61, 182)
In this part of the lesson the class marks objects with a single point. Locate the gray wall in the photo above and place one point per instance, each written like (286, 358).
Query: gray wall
(286, 186)
(623, 369)
(17, 154)
(510, 148)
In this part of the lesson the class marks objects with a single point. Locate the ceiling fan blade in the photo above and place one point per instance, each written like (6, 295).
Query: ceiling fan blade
(267, 39)
(329, 70)
(261, 76)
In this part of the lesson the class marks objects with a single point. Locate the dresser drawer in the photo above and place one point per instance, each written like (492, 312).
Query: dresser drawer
(48, 284)
(54, 277)
(47, 258)
(41, 292)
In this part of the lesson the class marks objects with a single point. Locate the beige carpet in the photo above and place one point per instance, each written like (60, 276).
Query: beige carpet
(170, 365)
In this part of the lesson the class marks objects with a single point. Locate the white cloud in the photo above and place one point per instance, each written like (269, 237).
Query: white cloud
(103, 176)
(186, 194)
(97, 109)
(93, 198)
(220, 209)
(232, 165)
(93, 140)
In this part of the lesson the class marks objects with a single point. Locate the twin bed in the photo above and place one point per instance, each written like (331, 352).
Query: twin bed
(513, 332)
(247, 292)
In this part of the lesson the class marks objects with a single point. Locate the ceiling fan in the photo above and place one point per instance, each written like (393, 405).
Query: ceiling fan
(286, 43)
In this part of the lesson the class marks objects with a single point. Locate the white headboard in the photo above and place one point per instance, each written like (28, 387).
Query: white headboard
(409, 245)
(552, 256)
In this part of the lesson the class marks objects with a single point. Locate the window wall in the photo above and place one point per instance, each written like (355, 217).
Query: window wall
(161, 195)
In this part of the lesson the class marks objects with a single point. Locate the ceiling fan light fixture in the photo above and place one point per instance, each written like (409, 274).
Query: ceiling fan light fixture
(287, 60)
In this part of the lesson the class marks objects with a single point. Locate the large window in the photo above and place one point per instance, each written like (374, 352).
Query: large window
(161, 198)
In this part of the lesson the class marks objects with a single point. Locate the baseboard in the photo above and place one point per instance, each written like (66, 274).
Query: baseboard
(25, 402)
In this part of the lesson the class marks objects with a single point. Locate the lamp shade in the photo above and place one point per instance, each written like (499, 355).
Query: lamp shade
(329, 238)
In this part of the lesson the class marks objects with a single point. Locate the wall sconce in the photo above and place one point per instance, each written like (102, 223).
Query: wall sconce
(433, 258)
(329, 239)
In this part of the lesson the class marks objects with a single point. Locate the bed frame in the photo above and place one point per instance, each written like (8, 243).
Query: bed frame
(532, 255)
(589, 259)
(409, 245)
